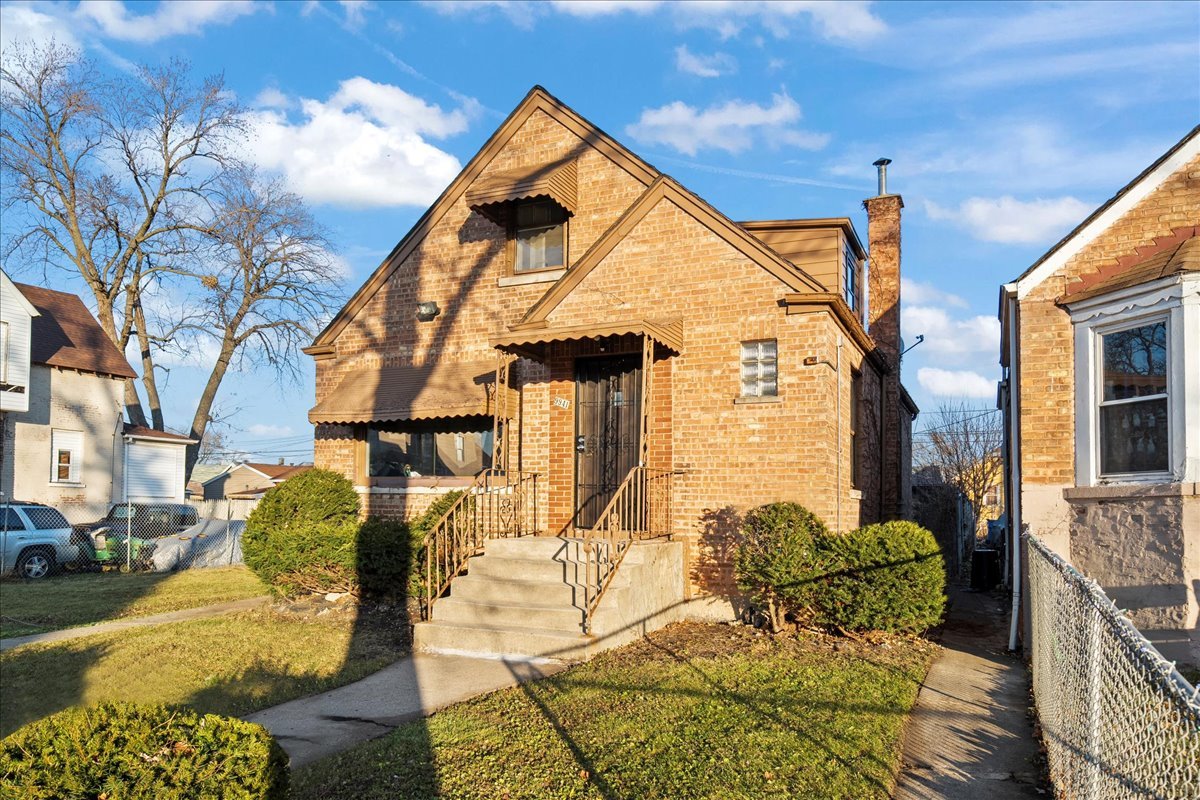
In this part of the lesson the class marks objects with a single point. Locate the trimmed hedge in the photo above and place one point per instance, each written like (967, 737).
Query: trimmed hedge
(886, 577)
(389, 557)
(133, 752)
(777, 560)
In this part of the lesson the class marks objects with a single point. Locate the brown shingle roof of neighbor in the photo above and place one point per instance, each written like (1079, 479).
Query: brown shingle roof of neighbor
(277, 471)
(142, 432)
(556, 181)
(66, 335)
(389, 394)
(1183, 257)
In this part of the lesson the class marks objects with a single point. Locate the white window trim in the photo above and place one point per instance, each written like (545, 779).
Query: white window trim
(74, 477)
(1177, 301)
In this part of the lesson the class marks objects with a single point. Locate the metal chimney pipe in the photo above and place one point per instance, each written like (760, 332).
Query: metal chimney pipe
(882, 165)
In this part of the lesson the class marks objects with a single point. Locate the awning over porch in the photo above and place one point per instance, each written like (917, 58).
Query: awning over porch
(532, 342)
(392, 394)
(556, 181)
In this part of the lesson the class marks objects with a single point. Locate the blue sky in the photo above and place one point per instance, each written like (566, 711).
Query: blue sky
(1007, 124)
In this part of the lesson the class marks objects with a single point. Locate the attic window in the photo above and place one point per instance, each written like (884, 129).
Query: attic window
(539, 236)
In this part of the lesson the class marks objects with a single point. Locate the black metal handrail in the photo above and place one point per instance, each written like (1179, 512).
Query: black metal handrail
(498, 504)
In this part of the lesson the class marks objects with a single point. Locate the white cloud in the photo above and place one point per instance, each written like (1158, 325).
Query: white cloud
(955, 383)
(947, 337)
(713, 66)
(365, 146)
(167, 19)
(1012, 221)
(271, 97)
(356, 12)
(599, 8)
(849, 22)
(29, 25)
(260, 430)
(733, 126)
(919, 293)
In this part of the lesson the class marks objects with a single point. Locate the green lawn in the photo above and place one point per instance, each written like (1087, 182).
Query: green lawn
(227, 665)
(64, 602)
(696, 711)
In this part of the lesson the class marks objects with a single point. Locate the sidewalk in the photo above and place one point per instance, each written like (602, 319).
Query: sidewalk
(136, 622)
(969, 736)
(415, 686)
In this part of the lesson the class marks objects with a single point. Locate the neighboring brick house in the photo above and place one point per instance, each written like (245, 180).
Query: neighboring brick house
(636, 324)
(63, 438)
(1101, 343)
(247, 481)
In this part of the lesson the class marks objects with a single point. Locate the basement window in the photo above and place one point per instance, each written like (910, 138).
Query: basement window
(760, 376)
(538, 236)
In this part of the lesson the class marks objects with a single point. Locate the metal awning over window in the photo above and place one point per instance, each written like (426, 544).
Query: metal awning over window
(391, 394)
(532, 343)
(492, 196)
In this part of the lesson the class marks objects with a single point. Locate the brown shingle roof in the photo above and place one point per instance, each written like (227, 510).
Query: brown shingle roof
(386, 394)
(143, 432)
(278, 471)
(1183, 257)
(66, 335)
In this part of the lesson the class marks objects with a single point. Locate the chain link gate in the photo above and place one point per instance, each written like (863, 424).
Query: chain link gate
(1117, 719)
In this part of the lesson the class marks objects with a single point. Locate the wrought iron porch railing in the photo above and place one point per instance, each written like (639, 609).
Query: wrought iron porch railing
(640, 509)
(498, 504)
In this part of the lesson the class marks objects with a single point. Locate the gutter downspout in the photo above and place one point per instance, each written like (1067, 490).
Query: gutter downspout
(1014, 420)
(837, 384)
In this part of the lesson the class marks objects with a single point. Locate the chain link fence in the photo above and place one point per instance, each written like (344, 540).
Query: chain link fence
(1117, 719)
(36, 541)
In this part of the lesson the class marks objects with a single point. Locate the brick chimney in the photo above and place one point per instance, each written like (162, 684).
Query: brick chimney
(883, 277)
(883, 314)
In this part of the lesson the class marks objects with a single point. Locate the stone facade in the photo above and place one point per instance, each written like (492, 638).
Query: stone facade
(1139, 539)
(673, 264)
(74, 401)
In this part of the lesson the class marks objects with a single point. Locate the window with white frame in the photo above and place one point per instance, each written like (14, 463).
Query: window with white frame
(66, 455)
(1137, 402)
(1133, 427)
(760, 375)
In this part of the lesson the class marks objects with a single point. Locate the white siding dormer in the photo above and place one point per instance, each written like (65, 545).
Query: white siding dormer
(16, 314)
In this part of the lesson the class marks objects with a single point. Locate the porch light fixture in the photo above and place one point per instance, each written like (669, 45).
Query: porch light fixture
(427, 311)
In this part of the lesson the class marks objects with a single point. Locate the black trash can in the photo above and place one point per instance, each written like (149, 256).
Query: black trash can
(985, 569)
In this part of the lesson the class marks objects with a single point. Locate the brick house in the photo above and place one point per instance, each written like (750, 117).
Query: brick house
(1101, 341)
(630, 358)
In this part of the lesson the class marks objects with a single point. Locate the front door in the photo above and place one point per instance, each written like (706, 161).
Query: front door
(608, 419)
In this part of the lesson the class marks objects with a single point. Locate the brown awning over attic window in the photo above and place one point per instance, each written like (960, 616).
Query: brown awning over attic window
(532, 342)
(393, 394)
(491, 195)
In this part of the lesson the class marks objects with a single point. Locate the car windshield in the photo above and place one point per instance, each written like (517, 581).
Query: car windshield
(46, 518)
(122, 512)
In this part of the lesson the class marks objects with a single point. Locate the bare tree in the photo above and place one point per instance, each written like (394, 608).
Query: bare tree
(269, 282)
(110, 173)
(963, 446)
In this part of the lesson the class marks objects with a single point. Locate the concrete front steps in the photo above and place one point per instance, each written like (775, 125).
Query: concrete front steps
(523, 600)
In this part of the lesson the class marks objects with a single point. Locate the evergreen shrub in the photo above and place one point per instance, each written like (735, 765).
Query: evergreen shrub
(137, 752)
(777, 559)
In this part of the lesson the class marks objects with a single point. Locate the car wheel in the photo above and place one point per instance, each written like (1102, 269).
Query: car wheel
(35, 564)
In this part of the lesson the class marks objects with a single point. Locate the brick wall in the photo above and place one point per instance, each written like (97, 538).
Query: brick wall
(735, 455)
(1047, 379)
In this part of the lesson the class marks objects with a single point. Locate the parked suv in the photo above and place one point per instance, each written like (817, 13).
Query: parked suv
(129, 530)
(35, 539)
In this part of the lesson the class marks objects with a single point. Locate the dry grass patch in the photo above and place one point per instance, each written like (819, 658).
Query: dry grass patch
(693, 711)
(71, 600)
(228, 665)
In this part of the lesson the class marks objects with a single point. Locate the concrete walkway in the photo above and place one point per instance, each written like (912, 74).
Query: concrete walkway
(183, 615)
(969, 736)
(314, 727)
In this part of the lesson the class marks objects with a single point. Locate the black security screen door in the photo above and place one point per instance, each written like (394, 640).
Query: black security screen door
(608, 414)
